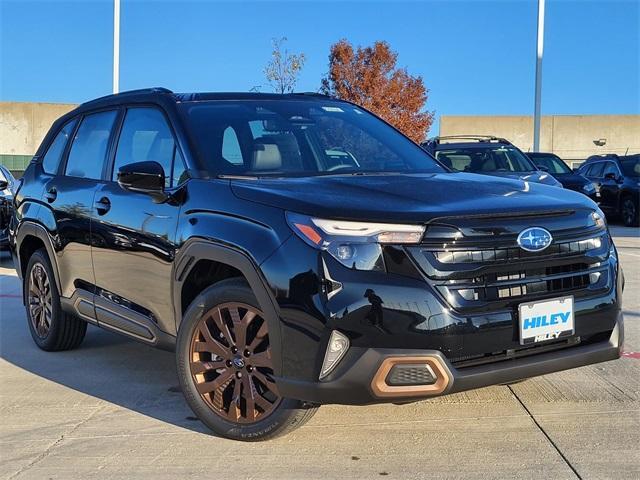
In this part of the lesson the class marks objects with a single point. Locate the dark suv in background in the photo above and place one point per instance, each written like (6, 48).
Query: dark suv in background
(297, 250)
(553, 164)
(7, 189)
(617, 181)
(487, 155)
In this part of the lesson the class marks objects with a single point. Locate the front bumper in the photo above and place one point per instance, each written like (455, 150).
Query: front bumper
(354, 382)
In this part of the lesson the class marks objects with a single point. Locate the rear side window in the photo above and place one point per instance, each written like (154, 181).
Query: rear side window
(146, 136)
(89, 148)
(52, 158)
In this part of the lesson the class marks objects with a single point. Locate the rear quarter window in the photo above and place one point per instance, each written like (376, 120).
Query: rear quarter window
(51, 159)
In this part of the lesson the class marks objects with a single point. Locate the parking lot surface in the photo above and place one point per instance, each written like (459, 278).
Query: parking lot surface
(113, 409)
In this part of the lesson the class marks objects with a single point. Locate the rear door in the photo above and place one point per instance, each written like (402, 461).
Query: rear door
(134, 256)
(69, 194)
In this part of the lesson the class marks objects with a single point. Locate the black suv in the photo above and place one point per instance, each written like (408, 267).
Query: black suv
(7, 188)
(553, 164)
(617, 180)
(297, 250)
(486, 155)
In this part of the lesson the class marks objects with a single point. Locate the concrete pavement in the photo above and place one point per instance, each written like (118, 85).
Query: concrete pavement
(112, 409)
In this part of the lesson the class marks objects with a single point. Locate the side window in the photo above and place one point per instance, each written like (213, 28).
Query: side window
(610, 167)
(231, 147)
(52, 158)
(87, 154)
(145, 136)
(596, 170)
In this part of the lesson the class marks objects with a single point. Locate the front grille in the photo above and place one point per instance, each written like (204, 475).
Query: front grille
(490, 275)
(5, 212)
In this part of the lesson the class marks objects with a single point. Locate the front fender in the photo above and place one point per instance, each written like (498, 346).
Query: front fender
(202, 249)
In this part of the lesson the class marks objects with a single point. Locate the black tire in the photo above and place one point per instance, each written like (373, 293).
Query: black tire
(64, 331)
(629, 211)
(288, 415)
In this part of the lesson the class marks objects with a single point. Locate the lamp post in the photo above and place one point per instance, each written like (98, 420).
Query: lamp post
(539, 51)
(116, 46)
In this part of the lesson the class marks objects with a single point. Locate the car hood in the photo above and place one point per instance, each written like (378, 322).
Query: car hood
(574, 179)
(406, 198)
(535, 177)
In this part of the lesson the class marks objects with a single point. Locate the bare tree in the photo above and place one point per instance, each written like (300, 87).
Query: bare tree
(283, 69)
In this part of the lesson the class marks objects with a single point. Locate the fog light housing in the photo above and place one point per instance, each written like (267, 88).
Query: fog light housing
(336, 349)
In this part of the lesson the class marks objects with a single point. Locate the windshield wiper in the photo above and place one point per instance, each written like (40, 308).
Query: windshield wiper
(238, 177)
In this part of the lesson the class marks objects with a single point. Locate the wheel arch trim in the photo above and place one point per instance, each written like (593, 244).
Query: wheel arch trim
(197, 249)
(29, 228)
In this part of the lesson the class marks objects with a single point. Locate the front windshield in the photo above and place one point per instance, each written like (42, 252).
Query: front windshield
(551, 163)
(631, 166)
(484, 159)
(299, 138)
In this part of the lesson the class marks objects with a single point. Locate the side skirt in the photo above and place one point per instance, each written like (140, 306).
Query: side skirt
(117, 318)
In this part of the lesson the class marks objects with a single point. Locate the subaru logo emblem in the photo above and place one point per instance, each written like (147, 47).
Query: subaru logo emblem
(238, 362)
(534, 239)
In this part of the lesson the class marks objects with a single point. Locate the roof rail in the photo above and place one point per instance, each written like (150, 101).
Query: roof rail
(478, 138)
(314, 94)
(130, 92)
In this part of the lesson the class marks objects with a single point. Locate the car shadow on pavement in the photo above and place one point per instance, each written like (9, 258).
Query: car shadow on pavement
(106, 366)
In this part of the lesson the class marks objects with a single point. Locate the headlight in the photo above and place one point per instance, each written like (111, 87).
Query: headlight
(589, 188)
(598, 219)
(355, 245)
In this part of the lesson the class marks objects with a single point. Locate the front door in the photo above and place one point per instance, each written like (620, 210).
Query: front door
(609, 187)
(134, 235)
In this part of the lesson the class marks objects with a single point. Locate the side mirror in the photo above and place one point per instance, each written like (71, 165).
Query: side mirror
(143, 177)
(3, 185)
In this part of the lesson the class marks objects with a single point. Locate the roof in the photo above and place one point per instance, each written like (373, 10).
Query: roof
(161, 92)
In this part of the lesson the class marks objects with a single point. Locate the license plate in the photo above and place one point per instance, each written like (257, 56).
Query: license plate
(547, 320)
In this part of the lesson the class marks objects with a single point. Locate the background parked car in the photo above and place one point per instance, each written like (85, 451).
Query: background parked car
(487, 155)
(617, 181)
(7, 189)
(553, 164)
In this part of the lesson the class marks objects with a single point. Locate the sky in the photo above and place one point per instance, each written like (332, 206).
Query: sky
(475, 57)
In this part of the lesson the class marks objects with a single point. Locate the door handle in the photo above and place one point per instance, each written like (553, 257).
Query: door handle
(51, 194)
(102, 206)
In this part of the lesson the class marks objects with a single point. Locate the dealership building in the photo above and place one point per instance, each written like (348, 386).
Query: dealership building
(572, 137)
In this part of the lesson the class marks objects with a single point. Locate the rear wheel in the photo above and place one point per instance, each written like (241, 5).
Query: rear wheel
(51, 328)
(629, 211)
(226, 370)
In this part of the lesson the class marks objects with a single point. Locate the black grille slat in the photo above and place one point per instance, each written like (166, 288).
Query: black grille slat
(494, 281)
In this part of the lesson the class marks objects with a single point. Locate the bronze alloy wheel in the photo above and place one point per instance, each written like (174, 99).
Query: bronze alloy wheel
(230, 363)
(39, 300)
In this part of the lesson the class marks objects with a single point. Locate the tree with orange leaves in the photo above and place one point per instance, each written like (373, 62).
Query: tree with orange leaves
(369, 77)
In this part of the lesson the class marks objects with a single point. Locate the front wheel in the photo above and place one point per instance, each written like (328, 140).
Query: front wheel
(225, 367)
